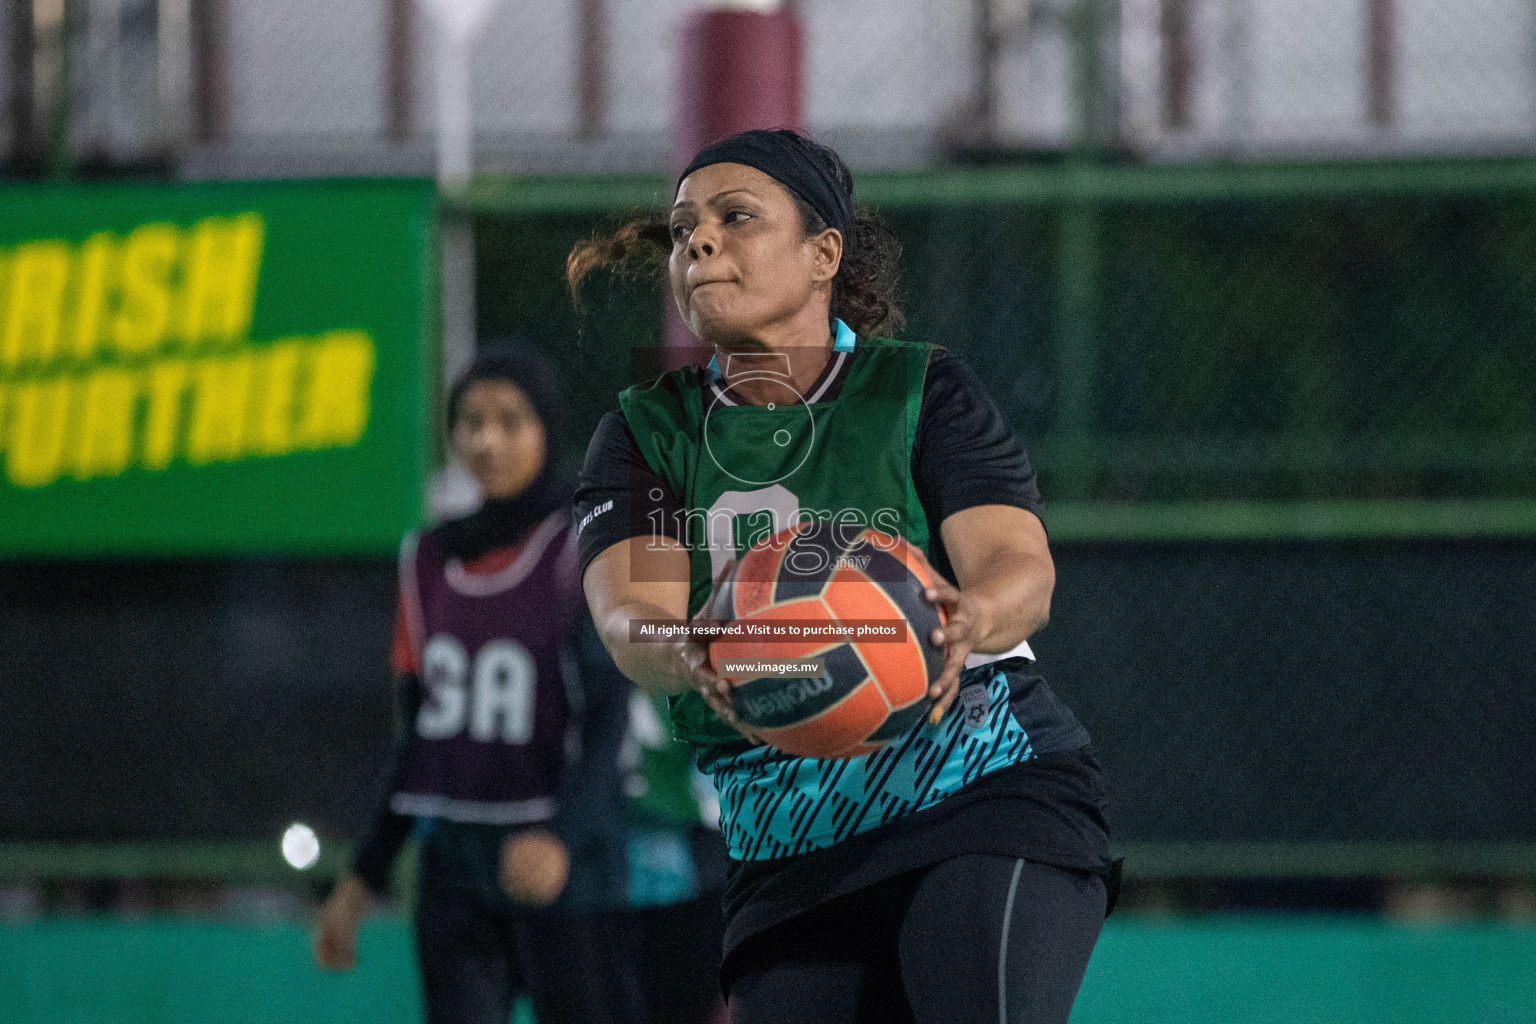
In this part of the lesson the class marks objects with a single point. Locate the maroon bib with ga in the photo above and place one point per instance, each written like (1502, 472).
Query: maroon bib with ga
(490, 740)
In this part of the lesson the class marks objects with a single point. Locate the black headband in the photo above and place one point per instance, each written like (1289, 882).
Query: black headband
(790, 159)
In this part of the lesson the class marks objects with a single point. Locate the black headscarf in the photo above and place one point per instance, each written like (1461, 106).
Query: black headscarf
(794, 161)
(503, 522)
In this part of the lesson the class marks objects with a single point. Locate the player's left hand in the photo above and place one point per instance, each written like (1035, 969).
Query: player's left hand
(535, 866)
(960, 632)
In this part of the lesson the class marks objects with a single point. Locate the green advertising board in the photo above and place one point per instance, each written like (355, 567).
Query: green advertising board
(214, 368)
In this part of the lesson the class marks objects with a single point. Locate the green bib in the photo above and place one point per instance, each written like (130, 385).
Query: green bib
(745, 472)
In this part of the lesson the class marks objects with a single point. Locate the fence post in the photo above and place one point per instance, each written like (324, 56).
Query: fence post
(1079, 257)
(1077, 343)
(52, 32)
(1086, 27)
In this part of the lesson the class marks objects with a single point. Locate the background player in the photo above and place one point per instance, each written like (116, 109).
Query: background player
(522, 867)
(960, 874)
(677, 868)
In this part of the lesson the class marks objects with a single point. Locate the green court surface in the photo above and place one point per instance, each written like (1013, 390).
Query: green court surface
(1285, 970)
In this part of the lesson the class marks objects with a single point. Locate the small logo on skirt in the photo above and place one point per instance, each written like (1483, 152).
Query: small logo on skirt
(975, 704)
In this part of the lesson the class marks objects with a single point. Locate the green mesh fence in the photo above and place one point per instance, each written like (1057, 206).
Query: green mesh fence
(1285, 420)
(1317, 379)
(1189, 351)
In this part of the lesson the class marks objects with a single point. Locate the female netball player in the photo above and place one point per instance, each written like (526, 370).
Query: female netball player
(961, 881)
(522, 867)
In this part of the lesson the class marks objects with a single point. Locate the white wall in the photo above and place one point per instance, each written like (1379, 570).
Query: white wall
(877, 64)
(642, 67)
(886, 80)
(1467, 69)
(311, 71)
(524, 69)
(1306, 67)
(1290, 75)
(6, 129)
(1035, 103)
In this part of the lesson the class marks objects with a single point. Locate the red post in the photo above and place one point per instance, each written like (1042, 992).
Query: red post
(400, 69)
(1180, 52)
(736, 69)
(210, 70)
(592, 68)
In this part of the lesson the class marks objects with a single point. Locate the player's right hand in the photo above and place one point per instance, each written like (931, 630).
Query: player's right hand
(335, 937)
(694, 669)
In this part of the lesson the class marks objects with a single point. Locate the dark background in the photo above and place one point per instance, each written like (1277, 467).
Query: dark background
(1253, 692)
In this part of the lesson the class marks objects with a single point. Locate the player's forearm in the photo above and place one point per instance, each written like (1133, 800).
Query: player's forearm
(1013, 600)
(375, 856)
(651, 666)
(592, 784)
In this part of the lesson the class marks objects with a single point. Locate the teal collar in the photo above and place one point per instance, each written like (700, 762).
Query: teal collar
(845, 341)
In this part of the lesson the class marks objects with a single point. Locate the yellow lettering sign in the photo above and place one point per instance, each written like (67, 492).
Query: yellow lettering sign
(273, 427)
(39, 423)
(222, 271)
(297, 394)
(340, 387)
(220, 395)
(39, 272)
(162, 418)
(105, 442)
(144, 309)
(93, 280)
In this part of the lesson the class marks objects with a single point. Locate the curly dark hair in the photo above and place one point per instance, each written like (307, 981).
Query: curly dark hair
(863, 292)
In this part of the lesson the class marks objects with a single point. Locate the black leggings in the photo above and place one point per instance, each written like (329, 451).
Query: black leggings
(972, 940)
(476, 957)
